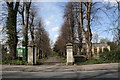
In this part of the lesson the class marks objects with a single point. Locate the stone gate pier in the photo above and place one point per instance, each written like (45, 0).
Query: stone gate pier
(70, 58)
(31, 55)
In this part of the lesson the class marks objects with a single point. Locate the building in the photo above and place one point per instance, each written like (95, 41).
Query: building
(96, 48)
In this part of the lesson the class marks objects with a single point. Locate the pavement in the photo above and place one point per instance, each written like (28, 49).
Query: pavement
(60, 67)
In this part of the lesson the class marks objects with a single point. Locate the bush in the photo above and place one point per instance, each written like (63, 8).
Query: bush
(80, 58)
(113, 56)
(62, 59)
(105, 57)
(6, 57)
(95, 57)
(118, 48)
(40, 61)
(105, 49)
(83, 53)
(15, 62)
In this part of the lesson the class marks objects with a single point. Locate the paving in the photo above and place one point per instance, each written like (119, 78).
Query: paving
(60, 67)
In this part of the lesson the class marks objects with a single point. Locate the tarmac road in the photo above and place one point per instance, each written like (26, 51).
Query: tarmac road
(109, 71)
(80, 74)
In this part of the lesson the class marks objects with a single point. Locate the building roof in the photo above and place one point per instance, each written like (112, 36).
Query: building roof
(97, 45)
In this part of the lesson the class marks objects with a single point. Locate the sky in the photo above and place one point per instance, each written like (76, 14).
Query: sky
(52, 18)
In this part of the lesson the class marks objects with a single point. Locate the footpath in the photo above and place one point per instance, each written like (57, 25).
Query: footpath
(60, 67)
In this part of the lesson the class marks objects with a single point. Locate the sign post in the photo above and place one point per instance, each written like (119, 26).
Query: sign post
(21, 52)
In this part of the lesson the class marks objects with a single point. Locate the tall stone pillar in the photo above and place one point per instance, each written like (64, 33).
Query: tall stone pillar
(31, 55)
(34, 55)
(92, 50)
(103, 49)
(98, 50)
(108, 48)
(70, 58)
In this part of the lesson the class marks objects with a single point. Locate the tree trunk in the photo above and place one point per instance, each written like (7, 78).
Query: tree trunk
(118, 23)
(87, 33)
(26, 28)
(11, 28)
(89, 50)
(80, 38)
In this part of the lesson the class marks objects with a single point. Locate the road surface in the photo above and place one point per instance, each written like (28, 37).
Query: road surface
(80, 74)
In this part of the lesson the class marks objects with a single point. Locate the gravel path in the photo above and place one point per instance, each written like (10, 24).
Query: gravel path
(52, 61)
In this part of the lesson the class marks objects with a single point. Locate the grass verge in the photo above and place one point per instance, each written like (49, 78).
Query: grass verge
(95, 62)
(15, 62)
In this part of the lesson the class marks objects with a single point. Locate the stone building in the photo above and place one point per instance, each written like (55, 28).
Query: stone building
(96, 48)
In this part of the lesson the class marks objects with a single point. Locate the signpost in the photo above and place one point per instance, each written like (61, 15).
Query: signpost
(21, 52)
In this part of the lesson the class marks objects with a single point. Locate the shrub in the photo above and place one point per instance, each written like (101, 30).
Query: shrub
(118, 48)
(6, 57)
(105, 49)
(40, 61)
(80, 58)
(111, 56)
(62, 59)
(83, 53)
(95, 57)
(15, 62)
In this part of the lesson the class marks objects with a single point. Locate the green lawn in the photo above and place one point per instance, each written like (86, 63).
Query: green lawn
(15, 62)
(95, 62)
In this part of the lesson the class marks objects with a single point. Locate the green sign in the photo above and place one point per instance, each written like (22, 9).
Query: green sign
(21, 52)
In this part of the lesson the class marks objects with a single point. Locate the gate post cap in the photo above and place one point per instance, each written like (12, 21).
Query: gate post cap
(69, 44)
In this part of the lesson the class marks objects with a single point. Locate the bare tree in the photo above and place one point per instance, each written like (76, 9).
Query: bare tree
(115, 8)
(42, 41)
(72, 15)
(25, 12)
(63, 39)
(95, 37)
(118, 23)
(11, 26)
(70, 30)
(32, 24)
(104, 40)
(86, 29)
